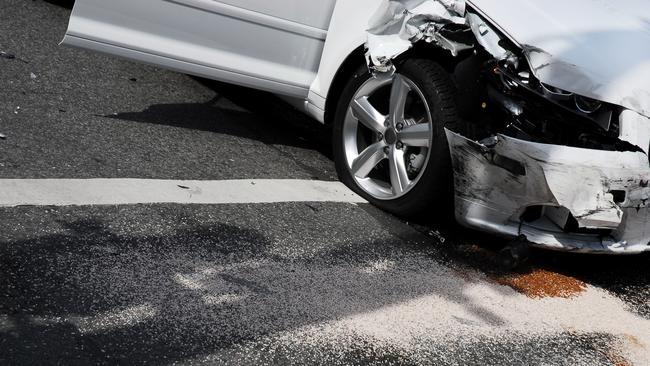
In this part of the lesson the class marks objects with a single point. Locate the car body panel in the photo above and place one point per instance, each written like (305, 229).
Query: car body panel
(346, 34)
(315, 14)
(279, 52)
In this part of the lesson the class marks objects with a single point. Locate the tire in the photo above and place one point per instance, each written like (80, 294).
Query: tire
(430, 93)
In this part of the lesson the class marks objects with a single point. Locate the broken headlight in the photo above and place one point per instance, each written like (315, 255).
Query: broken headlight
(517, 104)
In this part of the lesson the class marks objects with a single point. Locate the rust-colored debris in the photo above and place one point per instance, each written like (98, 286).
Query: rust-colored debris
(616, 358)
(540, 283)
(533, 282)
(621, 362)
(634, 341)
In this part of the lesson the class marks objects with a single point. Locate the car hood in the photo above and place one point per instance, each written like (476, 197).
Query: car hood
(596, 48)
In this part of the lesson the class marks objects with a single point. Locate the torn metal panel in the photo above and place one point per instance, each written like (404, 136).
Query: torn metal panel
(577, 185)
(590, 47)
(397, 25)
(601, 55)
(635, 129)
(487, 36)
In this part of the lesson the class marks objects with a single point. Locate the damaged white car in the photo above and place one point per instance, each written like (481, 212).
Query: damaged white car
(533, 114)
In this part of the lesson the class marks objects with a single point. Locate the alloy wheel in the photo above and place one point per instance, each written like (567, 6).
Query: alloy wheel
(387, 136)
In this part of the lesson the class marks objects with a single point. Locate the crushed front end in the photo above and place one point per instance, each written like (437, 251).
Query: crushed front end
(566, 169)
(560, 197)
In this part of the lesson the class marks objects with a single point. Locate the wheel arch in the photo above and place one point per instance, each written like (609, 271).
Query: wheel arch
(356, 59)
(350, 65)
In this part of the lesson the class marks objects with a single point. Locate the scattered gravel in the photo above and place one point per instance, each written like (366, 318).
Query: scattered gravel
(219, 284)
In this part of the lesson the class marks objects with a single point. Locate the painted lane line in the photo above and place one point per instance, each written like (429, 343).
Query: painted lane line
(84, 192)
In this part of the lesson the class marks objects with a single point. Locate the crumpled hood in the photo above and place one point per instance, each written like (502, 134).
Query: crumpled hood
(596, 48)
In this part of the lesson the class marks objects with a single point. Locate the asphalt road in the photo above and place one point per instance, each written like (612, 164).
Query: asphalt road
(273, 283)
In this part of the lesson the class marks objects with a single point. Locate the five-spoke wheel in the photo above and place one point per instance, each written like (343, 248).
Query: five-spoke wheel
(386, 150)
(389, 135)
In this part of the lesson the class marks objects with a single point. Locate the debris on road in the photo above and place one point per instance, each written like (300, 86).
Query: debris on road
(7, 56)
(32, 76)
(541, 283)
(3, 136)
(529, 280)
(437, 235)
(11, 56)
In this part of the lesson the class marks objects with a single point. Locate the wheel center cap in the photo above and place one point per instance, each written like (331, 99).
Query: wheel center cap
(390, 136)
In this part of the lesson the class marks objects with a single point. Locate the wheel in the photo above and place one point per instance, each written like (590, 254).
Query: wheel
(389, 140)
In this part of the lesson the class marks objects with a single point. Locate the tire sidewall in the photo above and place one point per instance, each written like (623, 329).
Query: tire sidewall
(435, 186)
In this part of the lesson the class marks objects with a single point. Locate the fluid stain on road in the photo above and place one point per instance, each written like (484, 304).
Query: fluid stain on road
(533, 282)
(540, 283)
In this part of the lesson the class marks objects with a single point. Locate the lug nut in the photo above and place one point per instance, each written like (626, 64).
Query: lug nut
(387, 150)
(400, 126)
(399, 144)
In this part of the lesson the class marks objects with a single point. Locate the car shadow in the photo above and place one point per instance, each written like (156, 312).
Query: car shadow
(246, 113)
(68, 4)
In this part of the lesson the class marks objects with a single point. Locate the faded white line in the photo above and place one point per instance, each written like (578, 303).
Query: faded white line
(80, 192)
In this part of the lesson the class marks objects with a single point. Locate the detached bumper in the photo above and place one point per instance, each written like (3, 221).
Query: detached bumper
(559, 197)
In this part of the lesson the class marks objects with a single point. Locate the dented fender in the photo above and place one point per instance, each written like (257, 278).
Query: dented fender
(397, 25)
(597, 55)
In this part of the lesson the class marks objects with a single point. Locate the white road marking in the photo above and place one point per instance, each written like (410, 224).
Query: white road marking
(81, 192)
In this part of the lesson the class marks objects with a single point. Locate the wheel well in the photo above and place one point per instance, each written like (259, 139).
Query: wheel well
(356, 59)
(432, 52)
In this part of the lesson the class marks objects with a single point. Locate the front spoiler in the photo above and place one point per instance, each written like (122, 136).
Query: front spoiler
(604, 194)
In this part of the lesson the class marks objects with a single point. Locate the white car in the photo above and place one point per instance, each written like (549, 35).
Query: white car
(530, 117)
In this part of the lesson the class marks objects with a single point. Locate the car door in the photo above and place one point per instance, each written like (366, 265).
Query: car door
(271, 45)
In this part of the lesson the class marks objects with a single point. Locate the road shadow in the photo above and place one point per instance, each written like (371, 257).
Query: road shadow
(88, 294)
(68, 4)
(257, 115)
